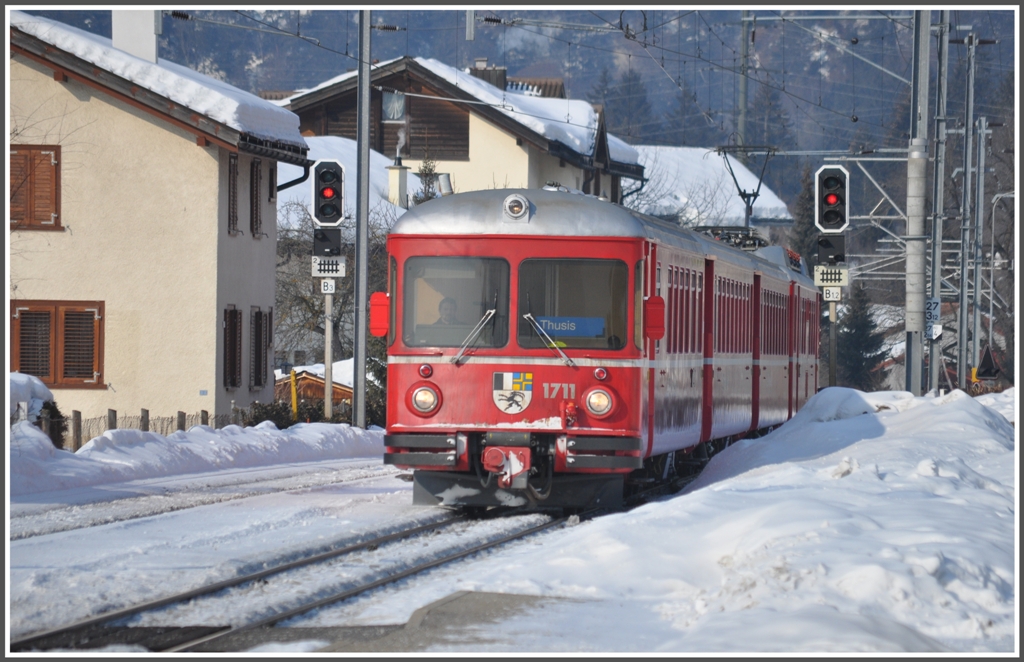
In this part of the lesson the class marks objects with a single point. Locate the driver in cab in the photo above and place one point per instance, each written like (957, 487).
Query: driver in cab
(447, 309)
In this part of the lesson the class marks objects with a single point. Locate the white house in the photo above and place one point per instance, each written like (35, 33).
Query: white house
(142, 223)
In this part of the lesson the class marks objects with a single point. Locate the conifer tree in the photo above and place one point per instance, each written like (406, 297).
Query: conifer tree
(602, 89)
(803, 235)
(859, 345)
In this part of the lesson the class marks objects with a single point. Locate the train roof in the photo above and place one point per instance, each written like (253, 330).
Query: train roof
(562, 213)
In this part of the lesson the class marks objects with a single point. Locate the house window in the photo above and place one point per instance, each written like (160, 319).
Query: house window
(60, 342)
(273, 183)
(260, 323)
(233, 194)
(255, 198)
(232, 347)
(393, 107)
(35, 187)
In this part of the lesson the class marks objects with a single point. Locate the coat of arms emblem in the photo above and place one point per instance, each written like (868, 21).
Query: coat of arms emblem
(512, 391)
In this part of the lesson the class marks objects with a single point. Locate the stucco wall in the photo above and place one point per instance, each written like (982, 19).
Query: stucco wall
(495, 161)
(144, 215)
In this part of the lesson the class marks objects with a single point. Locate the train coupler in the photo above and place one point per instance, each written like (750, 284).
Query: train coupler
(510, 464)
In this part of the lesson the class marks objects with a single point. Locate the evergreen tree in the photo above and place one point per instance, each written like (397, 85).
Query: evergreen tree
(803, 235)
(628, 110)
(602, 89)
(859, 345)
(687, 124)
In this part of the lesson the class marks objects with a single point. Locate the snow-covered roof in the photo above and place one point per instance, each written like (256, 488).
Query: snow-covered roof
(695, 183)
(217, 100)
(571, 122)
(343, 150)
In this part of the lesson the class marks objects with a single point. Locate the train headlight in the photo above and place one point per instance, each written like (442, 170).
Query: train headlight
(516, 207)
(599, 402)
(424, 399)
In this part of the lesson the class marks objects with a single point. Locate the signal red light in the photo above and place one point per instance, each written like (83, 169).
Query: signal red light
(831, 199)
(328, 193)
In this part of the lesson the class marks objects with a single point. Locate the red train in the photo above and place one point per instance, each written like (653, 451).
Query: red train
(550, 349)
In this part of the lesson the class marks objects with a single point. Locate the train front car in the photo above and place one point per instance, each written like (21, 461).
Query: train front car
(515, 343)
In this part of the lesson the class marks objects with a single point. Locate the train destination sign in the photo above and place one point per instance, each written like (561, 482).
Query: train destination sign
(578, 327)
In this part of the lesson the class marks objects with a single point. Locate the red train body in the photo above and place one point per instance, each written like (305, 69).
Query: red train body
(590, 346)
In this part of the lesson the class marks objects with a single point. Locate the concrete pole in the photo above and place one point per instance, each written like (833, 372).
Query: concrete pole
(979, 223)
(328, 356)
(938, 192)
(965, 218)
(917, 170)
(362, 223)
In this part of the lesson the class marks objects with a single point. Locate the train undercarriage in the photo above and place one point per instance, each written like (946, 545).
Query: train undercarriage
(537, 485)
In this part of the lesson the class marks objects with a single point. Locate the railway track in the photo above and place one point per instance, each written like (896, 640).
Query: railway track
(167, 500)
(127, 627)
(112, 629)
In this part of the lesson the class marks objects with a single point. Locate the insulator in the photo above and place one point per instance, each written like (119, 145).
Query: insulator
(181, 16)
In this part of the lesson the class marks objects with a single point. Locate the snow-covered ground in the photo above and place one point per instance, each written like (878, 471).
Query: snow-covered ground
(870, 522)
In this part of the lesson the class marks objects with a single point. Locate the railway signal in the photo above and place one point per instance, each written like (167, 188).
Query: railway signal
(328, 193)
(832, 204)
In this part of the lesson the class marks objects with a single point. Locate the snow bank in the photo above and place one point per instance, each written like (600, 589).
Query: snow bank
(869, 522)
(28, 388)
(1005, 403)
(123, 455)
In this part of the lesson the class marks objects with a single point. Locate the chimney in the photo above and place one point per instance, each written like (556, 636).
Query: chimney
(135, 31)
(496, 76)
(398, 178)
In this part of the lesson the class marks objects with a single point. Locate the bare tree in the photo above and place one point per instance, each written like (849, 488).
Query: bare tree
(671, 195)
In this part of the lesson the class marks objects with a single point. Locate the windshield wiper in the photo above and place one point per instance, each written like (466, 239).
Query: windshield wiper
(548, 341)
(473, 334)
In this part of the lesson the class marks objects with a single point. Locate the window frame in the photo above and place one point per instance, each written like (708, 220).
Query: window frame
(58, 340)
(53, 202)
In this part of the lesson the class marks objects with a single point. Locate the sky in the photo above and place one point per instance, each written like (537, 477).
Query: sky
(870, 522)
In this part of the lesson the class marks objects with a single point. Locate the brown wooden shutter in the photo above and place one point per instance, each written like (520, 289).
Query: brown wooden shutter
(44, 188)
(77, 345)
(255, 198)
(20, 186)
(232, 194)
(32, 353)
(232, 348)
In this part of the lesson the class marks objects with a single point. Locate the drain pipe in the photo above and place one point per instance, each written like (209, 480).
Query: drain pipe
(305, 176)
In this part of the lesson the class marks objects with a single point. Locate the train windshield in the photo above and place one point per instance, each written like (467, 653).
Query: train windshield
(575, 303)
(446, 299)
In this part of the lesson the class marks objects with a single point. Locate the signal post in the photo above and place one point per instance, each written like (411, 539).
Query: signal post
(831, 216)
(328, 212)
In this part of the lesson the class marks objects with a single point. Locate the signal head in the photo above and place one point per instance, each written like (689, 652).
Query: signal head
(328, 193)
(831, 207)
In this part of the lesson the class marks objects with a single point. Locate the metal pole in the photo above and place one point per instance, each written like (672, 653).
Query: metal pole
(328, 356)
(362, 221)
(938, 193)
(992, 256)
(741, 122)
(979, 223)
(917, 170)
(832, 342)
(965, 218)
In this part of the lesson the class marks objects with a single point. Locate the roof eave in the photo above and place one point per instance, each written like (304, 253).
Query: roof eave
(70, 66)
